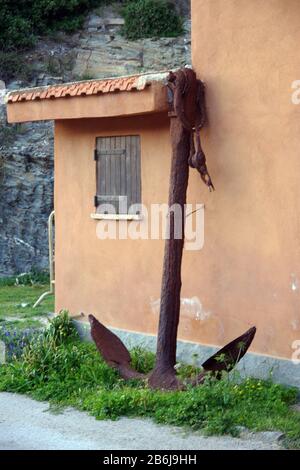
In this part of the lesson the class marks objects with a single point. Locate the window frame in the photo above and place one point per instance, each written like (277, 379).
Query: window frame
(118, 158)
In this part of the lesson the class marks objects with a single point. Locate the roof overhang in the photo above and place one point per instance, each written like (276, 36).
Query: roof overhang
(126, 96)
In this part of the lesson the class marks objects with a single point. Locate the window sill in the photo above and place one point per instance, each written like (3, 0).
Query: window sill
(116, 216)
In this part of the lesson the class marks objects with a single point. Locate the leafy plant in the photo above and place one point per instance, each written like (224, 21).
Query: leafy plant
(151, 18)
(142, 361)
(16, 30)
(61, 330)
(58, 367)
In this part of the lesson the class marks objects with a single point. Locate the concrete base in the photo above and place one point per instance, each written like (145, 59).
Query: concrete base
(280, 370)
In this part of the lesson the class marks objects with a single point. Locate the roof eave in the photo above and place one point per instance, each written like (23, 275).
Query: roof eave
(151, 99)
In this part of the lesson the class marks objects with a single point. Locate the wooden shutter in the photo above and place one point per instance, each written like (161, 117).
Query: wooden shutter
(118, 172)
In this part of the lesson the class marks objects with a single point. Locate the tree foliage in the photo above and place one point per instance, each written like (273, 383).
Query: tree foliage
(22, 20)
(151, 18)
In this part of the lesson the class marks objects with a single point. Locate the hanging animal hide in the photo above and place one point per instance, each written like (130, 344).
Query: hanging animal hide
(188, 98)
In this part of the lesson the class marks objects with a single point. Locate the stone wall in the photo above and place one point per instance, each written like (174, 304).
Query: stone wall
(26, 151)
(103, 52)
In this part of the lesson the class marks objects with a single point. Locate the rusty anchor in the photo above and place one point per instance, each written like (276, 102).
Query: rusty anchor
(186, 97)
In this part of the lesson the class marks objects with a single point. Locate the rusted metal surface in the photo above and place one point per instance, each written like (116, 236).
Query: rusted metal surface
(116, 355)
(164, 375)
(187, 113)
(227, 357)
(112, 349)
(187, 117)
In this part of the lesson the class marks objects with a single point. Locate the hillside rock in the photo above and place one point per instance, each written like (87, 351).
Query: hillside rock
(104, 52)
(26, 195)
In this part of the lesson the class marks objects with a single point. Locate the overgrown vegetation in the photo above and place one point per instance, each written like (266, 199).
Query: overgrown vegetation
(22, 21)
(151, 18)
(35, 276)
(59, 368)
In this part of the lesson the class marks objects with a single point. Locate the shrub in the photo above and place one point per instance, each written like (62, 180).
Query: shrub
(22, 20)
(61, 330)
(16, 32)
(151, 18)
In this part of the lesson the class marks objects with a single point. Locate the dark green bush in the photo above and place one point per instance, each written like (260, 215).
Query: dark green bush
(16, 31)
(151, 18)
(22, 20)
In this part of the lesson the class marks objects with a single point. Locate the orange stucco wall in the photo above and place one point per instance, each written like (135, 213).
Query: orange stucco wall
(114, 279)
(119, 280)
(248, 272)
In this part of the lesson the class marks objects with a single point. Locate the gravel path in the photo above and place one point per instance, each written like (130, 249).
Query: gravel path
(27, 424)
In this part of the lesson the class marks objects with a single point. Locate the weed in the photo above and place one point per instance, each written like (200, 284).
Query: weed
(59, 368)
(142, 361)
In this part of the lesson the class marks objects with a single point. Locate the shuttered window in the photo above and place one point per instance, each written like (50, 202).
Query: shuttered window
(118, 174)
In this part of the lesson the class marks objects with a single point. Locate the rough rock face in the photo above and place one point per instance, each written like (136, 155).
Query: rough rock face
(26, 151)
(102, 51)
(183, 6)
(26, 198)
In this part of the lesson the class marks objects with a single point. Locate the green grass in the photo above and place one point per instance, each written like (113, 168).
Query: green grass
(59, 368)
(21, 324)
(17, 301)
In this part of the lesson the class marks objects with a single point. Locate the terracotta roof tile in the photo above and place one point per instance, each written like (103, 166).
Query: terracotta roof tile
(91, 87)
